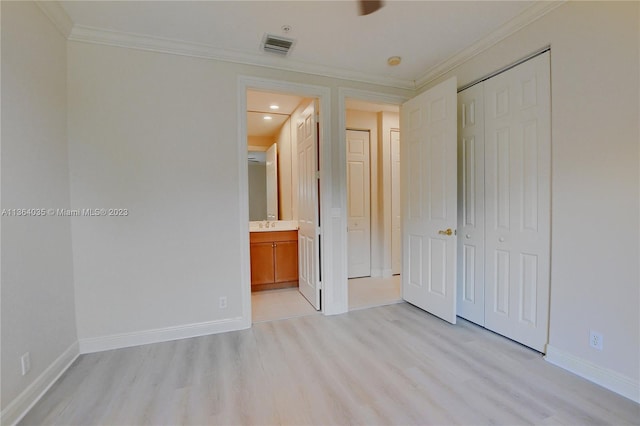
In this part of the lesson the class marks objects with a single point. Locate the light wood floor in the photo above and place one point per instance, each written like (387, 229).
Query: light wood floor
(389, 365)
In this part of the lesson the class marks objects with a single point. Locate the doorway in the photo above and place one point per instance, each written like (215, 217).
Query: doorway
(371, 130)
(289, 263)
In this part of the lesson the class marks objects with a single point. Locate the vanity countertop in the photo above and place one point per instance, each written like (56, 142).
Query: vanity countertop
(273, 225)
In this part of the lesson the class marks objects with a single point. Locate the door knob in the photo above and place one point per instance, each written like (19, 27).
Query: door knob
(447, 232)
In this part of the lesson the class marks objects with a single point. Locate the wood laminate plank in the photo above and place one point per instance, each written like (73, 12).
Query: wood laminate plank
(389, 365)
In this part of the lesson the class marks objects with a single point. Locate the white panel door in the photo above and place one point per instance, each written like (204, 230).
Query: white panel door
(471, 204)
(396, 219)
(272, 182)
(429, 196)
(518, 182)
(308, 211)
(358, 204)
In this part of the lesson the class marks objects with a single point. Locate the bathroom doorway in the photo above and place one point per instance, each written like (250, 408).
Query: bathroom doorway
(283, 142)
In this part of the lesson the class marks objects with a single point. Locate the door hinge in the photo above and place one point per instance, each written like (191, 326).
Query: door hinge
(317, 174)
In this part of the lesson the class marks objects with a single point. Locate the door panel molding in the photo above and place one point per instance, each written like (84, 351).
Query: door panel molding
(428, 124)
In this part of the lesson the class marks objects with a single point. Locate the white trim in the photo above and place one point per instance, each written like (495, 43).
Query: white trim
(56, 13)
(342, 276)
(16, 410)
(529, 15)
(94, 35)
(136, 338)
(326, 191)
(607, 378)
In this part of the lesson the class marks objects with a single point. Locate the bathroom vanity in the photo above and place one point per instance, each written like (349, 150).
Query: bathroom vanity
(274, 257)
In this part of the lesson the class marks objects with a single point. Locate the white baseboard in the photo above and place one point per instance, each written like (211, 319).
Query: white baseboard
(376, 272)
(136, 338)
(604, 377)
(387, 273)
(17, 408)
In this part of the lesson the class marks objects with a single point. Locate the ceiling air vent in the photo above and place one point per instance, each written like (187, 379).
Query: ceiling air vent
(278, 45)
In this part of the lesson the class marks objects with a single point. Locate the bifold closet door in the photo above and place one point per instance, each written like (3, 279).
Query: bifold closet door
(470, 294)
(517, 202)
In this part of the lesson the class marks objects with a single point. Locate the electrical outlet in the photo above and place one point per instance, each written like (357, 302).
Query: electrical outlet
(25, 361)
(223, 302)
(595, 340)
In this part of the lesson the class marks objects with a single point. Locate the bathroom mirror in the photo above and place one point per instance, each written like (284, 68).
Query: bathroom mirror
(263, 184)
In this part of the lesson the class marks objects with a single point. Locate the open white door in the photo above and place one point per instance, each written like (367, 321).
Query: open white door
(308, 211)
(429, 200)
(358, 205)
(272, 182)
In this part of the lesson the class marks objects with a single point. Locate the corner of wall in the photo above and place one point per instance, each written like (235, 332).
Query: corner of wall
(17, 408)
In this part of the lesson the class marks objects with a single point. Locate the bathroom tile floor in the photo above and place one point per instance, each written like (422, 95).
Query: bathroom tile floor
(289, 303)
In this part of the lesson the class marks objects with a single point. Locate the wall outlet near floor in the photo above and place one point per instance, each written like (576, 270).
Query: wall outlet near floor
(595, 340)
(223, 302)
(25, 361)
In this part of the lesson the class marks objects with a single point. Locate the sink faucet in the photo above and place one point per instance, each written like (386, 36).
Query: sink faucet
(265, 224)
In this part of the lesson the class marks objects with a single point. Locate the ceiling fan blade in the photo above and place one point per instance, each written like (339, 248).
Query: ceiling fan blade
(369, 6)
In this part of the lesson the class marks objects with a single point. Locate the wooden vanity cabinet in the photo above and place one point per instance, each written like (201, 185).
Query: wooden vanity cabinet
(274, 259)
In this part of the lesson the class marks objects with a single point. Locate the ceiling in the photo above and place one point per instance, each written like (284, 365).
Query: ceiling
(331, 39)
(259, 106)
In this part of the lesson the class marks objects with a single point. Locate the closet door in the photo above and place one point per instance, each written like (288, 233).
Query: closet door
(517, 202)
(470, 303)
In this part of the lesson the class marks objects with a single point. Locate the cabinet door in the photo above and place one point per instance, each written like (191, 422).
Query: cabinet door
(262, 265)
(286, 260)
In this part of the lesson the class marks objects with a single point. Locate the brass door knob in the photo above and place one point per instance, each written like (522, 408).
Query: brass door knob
(447, 232)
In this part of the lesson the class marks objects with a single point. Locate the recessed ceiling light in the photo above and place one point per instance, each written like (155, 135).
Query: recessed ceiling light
(274, 106)
(268, 117)
(394, 60)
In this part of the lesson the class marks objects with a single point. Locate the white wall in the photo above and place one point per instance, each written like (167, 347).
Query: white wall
(595, 283)
(38, 314)
(157, 134)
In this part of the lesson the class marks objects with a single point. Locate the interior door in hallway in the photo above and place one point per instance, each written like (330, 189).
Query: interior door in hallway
(518, 197)
(396, 210)
(429, 200)
(308, 211)
(358, 204)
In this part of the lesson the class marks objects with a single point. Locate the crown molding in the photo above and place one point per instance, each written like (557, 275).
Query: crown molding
(56, 13)
(529, 15)
(94, 35)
